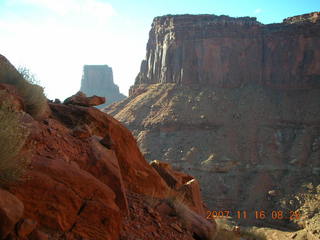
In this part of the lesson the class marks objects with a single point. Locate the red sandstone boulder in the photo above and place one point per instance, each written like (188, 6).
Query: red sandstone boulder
(38, 235)
(166, 173)
(25, 227)
(82, 132)
(76, 183)
(104, 165)
(107, 142)
(191, 192)
(185, 185)
(11, 211)
(194, 222)
(134, 168)
(61, 199)
(201, 228)
(82, 100)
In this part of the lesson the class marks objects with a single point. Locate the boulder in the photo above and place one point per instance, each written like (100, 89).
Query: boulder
(107, 142)
(25, 227)
(62, 200)
(192, 195)
(11, 211)
(166, 173)
(75, 183)
(104, 165)
(183, 185)
(38, 235)
(81, 99)
(82, 131)
(133, 166)
(195, 223)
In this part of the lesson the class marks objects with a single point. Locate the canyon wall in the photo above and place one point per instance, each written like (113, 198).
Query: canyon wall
(98, 80)
(235, 103)
(229, 52)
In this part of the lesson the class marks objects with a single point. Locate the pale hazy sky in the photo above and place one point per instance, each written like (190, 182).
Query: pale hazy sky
(55, 38)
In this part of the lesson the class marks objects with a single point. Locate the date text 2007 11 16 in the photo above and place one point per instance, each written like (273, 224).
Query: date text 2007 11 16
(258, 214)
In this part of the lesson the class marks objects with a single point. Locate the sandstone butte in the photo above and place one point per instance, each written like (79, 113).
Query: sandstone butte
(236, 104)
(87, 179)
(98, 80)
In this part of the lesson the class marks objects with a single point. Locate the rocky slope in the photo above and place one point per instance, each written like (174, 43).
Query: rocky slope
(85, 178)
(98, 80)
(235, 103)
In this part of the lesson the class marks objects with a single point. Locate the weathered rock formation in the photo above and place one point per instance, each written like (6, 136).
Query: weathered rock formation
(84, 172)
(233, 102)
(98, 80)
(229, 52)
(81, 99)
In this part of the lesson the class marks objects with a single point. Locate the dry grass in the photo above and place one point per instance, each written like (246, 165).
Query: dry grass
(226, 230)
(190, 220)
(32, 94)
(12, 138)
(28, 75)
(34, 99)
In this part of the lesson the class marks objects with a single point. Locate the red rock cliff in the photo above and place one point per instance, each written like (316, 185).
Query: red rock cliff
(234, 103)
(228, 52)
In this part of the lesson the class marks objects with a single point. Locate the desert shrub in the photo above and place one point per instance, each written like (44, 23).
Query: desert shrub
(32, 93)
(25, 82)
(28, 75)
(12, 138)
(34, 99)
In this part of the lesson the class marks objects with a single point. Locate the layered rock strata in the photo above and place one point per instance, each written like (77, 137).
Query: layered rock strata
(230, 52)
(235, 103)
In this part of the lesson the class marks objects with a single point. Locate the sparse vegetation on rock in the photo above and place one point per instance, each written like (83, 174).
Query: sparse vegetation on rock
(12, 138)
(33, 96)
(195, 223)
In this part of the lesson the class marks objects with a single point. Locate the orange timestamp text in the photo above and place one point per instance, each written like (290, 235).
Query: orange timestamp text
(257, 214)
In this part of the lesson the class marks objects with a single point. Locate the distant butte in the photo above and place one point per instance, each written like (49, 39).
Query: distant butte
(98, 80)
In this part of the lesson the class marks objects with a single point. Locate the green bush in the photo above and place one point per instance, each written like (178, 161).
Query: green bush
(12, 138)
(32, 94)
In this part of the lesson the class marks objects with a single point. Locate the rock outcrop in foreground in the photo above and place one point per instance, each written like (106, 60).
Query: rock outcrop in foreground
(98, 80)
(85, 178)
(235, 103)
